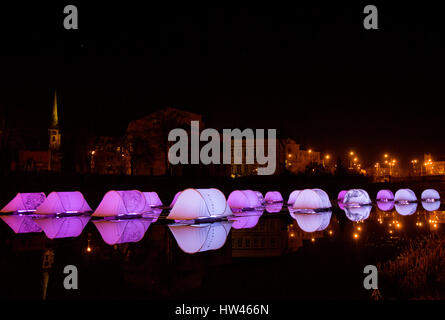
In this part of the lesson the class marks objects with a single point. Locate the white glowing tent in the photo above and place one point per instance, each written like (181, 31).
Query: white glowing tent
(358, 213)
(25, 202)
(406, 209)
(200, 237)
(431, 206)
(21, 223)
(405, 195)
(64, 202)
(356, 197)
(200, 203)
(430, 195)
(64, 227)
(122, 231)
(312, 199)
(243, 199)
(385, 195)
(293, 196)
(313, 221)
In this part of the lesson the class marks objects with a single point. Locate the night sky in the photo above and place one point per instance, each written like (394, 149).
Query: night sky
(311, 71)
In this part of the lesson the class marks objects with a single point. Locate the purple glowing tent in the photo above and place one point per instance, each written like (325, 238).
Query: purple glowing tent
(385, 195)
(406, 209)
(122, 231)
(293, 196)
(356, 197)
(21, 223)
(125, 202)
(385, 205)
(242, 199)
(245, 221)
(64, 202)
(405, 196)
(311, 222)
(357, 213)
(200, 203)
(341, 195)
(273, 197)
(430, 195)
(431, 206)
(64, 227)
(25, 202)
(200, 237)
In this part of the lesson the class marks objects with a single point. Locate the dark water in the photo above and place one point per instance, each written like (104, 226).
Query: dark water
(266, 256)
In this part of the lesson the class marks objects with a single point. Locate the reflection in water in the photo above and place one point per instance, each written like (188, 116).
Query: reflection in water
(200, 237)
(357, 213)
(274, 207)
(21, 223)
(311, 222)
(385, 205)
(431, 206)
(62, 227)
(406, 209)
(246, 221)
(122, 231)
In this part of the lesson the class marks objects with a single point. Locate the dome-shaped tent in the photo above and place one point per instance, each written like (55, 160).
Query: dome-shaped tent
(324, 197)
(406, 209)
(200, 203)
(245, 221)
(273, 197)
(244, 199)
(200, 237)
(21, 223)
(311, 199)
(356, 197)
(431, 206)
(357, 213)
(25, 202)
(64, 227)
(385, 195)
(341, 195)
(385, 205)
(126, 202)
(64, 202)
(311, 222)
(122, 231)
(430, 195)
(405, 196)
(293, 196)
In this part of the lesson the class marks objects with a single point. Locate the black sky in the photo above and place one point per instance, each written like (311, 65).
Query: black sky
(311, 71)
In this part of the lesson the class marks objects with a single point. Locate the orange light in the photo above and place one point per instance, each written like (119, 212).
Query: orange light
(355, 236)
(89, 249)
(310, 150)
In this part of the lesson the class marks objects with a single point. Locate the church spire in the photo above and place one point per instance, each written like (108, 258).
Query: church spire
(55, 117)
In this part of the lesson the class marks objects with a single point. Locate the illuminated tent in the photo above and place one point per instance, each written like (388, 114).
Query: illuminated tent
(21, 223)
(311, 199)
(243, 199)
(341, 195)
(431, 206)
(200, 237)
(293, 196)
(356, 197)
(200, 203)
(64, 202)
(122, 231)
(245, 221)
(260, 197)
(127, 202)
(430, 195)
(357, 213)
(406, 209)
(175, 198)
(311, 222)
(25, 202)
(385, 205)
(274, 207)
(405, 195)
(385, 195)
(64, 227)
(273, 197)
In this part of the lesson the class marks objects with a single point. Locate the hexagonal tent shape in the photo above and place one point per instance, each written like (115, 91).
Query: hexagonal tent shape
(405, 195)
(122, 231)
(200, 237)
(25, 202)
(64, 202)
(200, 203)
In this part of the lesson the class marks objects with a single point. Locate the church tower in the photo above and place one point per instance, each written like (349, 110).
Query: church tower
(54, 139)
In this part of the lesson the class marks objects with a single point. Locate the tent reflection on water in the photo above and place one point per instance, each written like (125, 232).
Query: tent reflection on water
(311, 222)
(431, 206)
(245, 221)
(406, 209)
(123, 231)
(62, 227)
(385, 205)
(357, 213)
(200, 237)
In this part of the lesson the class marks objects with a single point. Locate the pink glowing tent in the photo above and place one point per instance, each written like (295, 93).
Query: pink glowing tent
(406, 209)
(274, 207)
(245, 221)
(293, 196)
(243, 199)
(175, 199)
(405, 195)
(25, 202)
(312, 199)
(341, 195)
(356, 197)
(385, 205)
(125, 202)
(311, 222)
(431, 206)
(200, 203)
(385, 195)
(357, 213)
(122, 231)
(64, 227)
(21, 223)
(64, 202)
(200, 237)
(273, 197)
(430, 195)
